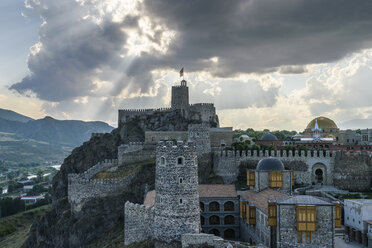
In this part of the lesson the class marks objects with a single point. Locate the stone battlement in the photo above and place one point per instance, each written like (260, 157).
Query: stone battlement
(164, 146)
(100, 166)
(138, 222)
(202, 104)
(278, 153)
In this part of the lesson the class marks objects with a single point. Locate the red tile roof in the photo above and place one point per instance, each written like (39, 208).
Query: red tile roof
(260, 199)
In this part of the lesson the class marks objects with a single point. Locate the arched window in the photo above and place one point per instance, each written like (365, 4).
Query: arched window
(162, 161)
(202, 206)
(202, 222)
(229, 234)
(214, 220)
(229, 220)
(181, 180)
(215, 232)
(214, 206)
(228, 206)
(180, 161)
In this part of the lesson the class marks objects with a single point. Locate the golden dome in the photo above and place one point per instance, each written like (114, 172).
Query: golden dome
(323, 122)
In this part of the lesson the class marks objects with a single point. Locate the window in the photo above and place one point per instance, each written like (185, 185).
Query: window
(252, 215)
(202, 206)
(338, 215)
(229, 206)
(250, 178)
(181, 201)
(181, 180)
(276, 179)
(214, 206)
(306, 218)
(214, 220)
(229, 220)
(299, 237)
(202, 221)
(162, 161)
(272, 213)
(292, 173)
(180, 161)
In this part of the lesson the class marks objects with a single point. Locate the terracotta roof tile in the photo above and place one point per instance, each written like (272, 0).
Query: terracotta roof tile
(217, 191)
(205, 191)
(260, 199)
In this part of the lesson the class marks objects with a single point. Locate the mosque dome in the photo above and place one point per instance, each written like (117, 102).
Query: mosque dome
(269, 136)
(323, 123)
(270, 164)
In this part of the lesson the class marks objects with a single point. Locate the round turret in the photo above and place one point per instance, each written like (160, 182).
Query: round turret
(270, 164)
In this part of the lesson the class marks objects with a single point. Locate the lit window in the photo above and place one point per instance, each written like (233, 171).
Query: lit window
(272, 214)
(252, 215)
(338, 215)
(214, 206)
(250, 178)
(229, 206)
(306, 218)
(276, 179)
(293, 180)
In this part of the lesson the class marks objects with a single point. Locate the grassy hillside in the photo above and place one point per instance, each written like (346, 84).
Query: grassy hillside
(14, 229)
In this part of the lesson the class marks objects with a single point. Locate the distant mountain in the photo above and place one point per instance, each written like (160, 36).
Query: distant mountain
(43, 140)
(13, 116)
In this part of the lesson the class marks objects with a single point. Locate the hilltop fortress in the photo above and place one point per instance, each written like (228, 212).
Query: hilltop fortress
(185, 136)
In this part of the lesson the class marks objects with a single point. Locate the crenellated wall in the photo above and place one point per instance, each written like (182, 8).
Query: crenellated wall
(350, 171)
(97, 168)
(135, 152)
(81, 189)
(125, 114)
(205, 111)
(138, 222)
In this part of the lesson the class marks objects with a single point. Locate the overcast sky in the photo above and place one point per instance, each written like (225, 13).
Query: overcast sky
(264, 63)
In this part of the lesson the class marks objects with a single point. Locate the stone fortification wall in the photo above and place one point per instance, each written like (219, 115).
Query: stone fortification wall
(226, 163)
(97, 168)
(353, 171)
(153, 137)
(135, 152)
(206, 112)
(221, 136)
(80, 189)
(180, 96)
(126, 114)
(138, 223)
(199, 134)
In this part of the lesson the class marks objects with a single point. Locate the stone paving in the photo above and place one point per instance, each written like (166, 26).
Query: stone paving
(340, 243)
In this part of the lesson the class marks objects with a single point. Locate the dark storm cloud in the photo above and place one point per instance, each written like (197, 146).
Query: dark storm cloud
(262, 35)
(246, 36)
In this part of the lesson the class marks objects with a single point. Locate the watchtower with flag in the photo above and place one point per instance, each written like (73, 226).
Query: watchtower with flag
(180, 94)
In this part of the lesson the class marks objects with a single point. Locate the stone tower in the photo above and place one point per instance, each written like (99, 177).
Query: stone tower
(177, 209)
(180, 96)
(200, 135)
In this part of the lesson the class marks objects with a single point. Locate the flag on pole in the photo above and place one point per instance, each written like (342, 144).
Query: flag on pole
(181, 72)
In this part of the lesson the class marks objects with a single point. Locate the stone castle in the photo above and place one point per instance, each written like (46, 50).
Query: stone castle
(176, 149)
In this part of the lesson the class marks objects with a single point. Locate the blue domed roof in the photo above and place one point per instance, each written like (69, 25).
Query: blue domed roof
(270, 164)
(269, 136)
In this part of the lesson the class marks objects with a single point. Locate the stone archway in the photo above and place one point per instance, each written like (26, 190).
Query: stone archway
(319, 173)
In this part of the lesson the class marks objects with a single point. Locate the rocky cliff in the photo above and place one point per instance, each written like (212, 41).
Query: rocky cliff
(60, 227)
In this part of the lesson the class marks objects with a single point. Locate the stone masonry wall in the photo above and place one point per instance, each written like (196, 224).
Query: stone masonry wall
(135, 152)
(353, 171)
(323, 237)
(138, 223)
(97, 168)
(226, 163)
(80, 189)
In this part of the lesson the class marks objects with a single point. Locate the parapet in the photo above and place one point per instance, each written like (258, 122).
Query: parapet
(170, 145)
(277, 153)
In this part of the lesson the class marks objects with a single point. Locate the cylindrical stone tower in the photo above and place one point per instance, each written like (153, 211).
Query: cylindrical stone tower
(177, 209)
(180, 96)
